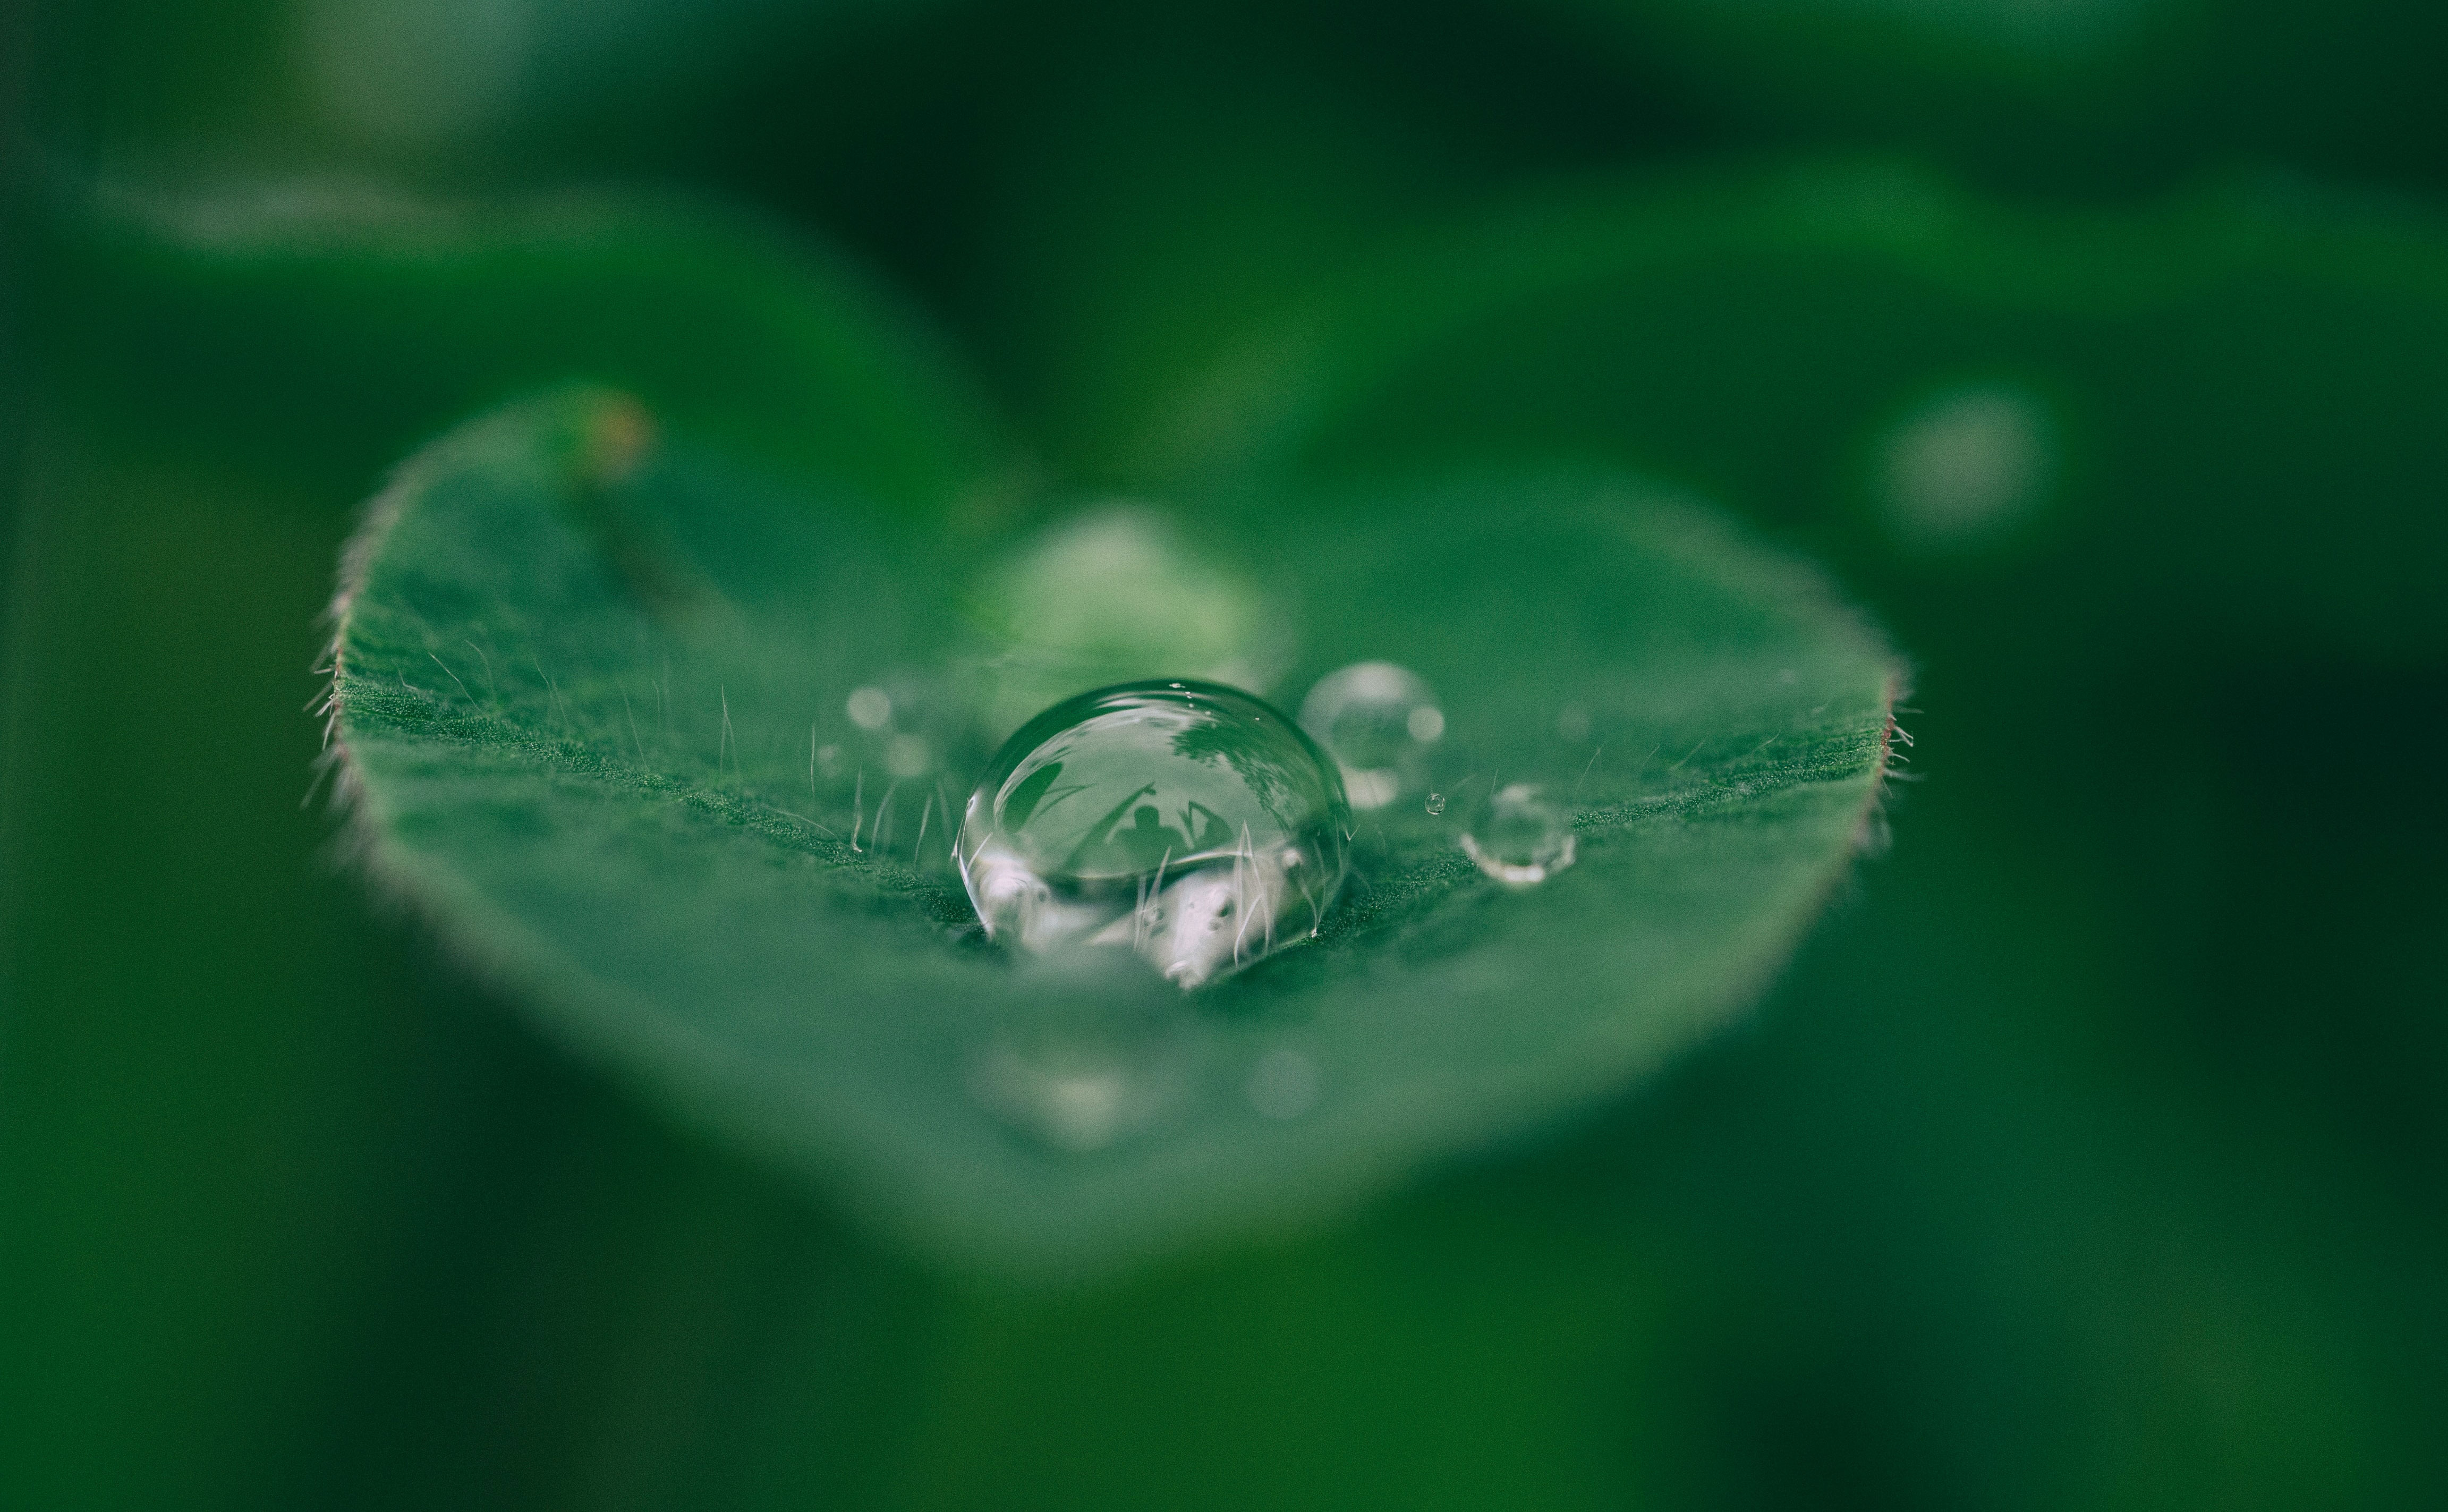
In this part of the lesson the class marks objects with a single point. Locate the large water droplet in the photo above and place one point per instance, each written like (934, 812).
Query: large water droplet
(1378, 719)
(1186, 821)
(1520, 838)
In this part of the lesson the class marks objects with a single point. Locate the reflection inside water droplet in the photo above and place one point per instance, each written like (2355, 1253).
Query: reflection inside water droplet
(1520, 838)
(1187, 822)
(1378, 720)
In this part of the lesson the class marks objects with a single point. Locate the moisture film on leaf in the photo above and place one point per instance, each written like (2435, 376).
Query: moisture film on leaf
(676, 752)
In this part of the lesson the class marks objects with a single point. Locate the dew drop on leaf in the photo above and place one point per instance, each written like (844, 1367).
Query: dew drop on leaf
(1520, 838)
(1378, 719)
(1186, 822)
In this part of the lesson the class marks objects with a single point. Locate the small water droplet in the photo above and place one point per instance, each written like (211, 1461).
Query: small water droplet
(1168, 819)
(1283, 1085)
(1436, 803)
(870, 708)
(1378, 719)
(1520, 838)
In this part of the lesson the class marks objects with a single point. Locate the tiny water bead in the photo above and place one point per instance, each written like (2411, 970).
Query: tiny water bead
(1520, 838)
(1185, 821)
(1378, 719)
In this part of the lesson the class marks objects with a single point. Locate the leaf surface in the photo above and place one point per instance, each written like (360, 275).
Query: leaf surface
(593, 693)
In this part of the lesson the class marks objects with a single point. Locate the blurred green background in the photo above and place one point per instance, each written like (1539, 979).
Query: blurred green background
(2091, 1154)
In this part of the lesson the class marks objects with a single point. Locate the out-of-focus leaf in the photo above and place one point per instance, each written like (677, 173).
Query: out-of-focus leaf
(339, 323)
(2221, 413)
(2066, 92)
(499, 91)
(591, 701)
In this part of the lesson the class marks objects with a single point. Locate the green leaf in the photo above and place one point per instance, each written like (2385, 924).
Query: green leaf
(2085, 96)
(592, 698)
(331, 320)
(2151, 396)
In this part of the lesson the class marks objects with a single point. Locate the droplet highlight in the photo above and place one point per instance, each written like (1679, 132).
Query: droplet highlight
(1520, 838)
(1378, 719)
(1186, 822)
